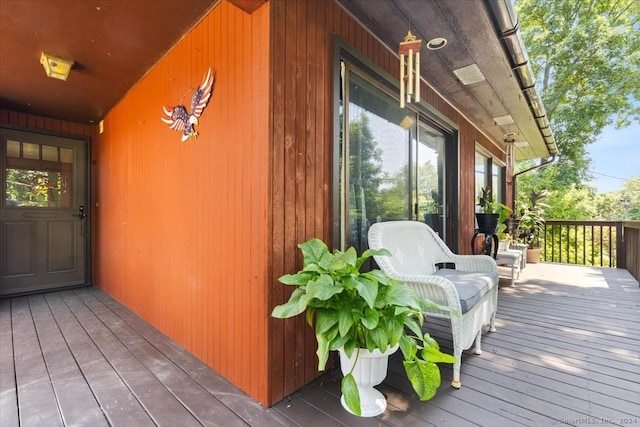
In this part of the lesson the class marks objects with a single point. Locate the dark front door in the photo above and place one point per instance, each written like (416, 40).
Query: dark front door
(43, 230)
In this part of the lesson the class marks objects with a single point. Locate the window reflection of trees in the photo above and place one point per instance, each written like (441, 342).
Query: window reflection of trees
(33, 188)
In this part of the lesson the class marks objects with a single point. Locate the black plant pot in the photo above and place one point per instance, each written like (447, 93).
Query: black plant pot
(487, 223)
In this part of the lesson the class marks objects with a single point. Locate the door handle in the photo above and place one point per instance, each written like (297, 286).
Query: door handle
(80, 213)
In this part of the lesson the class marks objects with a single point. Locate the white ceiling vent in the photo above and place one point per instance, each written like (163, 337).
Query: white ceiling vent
(503, 120)
(469, 75)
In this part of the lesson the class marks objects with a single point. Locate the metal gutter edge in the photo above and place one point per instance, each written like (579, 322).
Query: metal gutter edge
(507, 27)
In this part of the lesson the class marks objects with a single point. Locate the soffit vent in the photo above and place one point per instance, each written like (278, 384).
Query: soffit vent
(469, 75)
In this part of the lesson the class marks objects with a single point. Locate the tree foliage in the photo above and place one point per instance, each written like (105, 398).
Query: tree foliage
(586, 57)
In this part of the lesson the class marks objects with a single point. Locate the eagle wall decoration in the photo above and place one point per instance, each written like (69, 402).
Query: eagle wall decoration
(179, 118)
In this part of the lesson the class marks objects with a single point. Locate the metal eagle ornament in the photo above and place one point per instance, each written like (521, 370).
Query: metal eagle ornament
(180, 119)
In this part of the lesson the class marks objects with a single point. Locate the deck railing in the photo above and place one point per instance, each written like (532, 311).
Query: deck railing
(594, 243)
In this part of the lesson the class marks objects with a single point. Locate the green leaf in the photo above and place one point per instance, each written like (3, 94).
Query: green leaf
(342, 260)
(395, 326)
(349, 346)
(371, 319)
(301, 278)
(368, 254)
(413, 326)
(430, 342)
(380, 338)
(380, 276)
(409, 348)
(296, 305)
(323, 351)
(432, 354)
(401, 294)
(345, 321)
(338, 342)
(349, 390)
(313, 251)
(424, 377)
(323, 288)
(325, 320)
(367, 289)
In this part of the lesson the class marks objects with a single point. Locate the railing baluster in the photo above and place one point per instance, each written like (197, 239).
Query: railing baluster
(578, 242)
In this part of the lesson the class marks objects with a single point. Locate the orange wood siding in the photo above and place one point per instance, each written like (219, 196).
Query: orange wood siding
(182, 229)
(302, 109)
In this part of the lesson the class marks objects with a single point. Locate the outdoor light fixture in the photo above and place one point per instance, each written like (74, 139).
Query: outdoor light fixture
(409, 72)
(437, 43)
(56, 67)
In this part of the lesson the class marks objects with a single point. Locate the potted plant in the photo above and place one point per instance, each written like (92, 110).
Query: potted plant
(531, 224)
(494, 215)
(362, 315)
(491, 221)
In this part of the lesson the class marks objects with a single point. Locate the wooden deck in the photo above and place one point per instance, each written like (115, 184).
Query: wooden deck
(567, 351)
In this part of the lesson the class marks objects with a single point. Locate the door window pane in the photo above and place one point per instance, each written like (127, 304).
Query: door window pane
(30, 151)
(37, 188)
(66, 155)
(13, 148)
(35, 178)
(49, 153)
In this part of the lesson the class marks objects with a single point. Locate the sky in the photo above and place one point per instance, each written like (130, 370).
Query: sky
(615, 157)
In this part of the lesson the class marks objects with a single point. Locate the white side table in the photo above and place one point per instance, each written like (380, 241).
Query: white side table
(511, 258)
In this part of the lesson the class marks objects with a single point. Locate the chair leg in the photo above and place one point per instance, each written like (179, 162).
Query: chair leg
(455, 383)
(492, 325)
(478, 349)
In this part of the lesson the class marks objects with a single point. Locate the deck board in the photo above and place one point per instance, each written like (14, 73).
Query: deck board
(566, 352)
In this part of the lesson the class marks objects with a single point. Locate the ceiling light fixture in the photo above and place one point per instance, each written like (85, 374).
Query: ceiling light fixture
(437, 43)
(55, 66)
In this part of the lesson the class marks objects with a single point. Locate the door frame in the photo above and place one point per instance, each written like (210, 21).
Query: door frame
(88, 225)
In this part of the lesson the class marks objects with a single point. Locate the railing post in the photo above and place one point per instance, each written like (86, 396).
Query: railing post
(621, 252)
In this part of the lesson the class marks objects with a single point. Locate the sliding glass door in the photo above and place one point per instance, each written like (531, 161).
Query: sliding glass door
(391, 162)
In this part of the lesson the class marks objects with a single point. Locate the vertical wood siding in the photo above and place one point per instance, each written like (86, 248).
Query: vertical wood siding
(183, 228)
(302, 108)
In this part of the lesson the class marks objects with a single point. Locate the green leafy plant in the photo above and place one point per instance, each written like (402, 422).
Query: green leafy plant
(488, 204)
(531, 222)
(354, 310)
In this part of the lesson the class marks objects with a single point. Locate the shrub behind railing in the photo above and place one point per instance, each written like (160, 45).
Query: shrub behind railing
(591, 243)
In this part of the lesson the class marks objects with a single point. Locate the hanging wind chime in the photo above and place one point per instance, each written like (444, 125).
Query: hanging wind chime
(409, 72)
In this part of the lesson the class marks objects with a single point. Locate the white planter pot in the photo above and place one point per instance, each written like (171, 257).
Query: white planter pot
(370, 370)
(503, 245)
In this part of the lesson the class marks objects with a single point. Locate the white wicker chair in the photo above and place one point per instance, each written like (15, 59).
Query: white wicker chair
(416, 249)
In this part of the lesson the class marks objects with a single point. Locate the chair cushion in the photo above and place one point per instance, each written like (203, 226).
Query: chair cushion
(471, 285)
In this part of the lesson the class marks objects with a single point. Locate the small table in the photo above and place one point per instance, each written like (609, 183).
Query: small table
(511, 259)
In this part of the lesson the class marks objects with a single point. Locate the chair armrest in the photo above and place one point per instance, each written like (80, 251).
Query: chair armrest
(475, 263)
(434, 288)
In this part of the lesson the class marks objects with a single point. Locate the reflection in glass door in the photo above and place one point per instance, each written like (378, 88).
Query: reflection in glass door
(377, 180)
(429, 197)
(391, 165)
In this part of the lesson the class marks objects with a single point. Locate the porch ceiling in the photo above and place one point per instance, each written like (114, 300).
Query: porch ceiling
(473, 30)
(113, 45)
